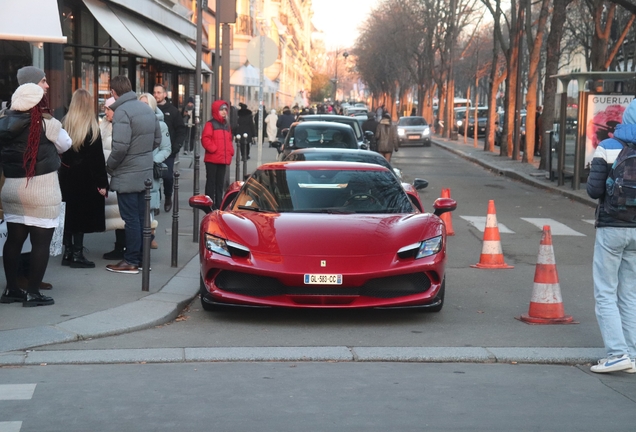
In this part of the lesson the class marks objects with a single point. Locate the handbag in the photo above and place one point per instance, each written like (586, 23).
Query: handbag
(158, 169)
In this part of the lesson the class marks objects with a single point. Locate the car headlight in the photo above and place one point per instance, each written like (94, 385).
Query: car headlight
(459, 122)
(429, 247)
(426, 132)
(400, 132)
(225, 247)
(422, 249)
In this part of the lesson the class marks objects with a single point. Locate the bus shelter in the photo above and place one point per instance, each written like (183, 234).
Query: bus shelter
(602, 98)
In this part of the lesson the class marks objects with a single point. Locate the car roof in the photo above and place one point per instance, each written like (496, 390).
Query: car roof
(321, 165)
(322, 117)
(332, 125)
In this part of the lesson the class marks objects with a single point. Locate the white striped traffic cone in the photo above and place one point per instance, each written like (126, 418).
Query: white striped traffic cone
(546, 305)
(491, 252)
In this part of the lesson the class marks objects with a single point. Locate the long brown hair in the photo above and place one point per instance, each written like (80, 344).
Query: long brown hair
(80, 121)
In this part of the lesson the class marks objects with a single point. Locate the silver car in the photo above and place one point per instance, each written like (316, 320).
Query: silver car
(414, 129)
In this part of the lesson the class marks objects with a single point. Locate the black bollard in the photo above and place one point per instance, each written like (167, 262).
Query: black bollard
(237, 158)
(195, 191)
(175, 221)
(145, 259)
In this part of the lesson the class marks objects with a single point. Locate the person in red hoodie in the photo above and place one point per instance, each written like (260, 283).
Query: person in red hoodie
(217, 143)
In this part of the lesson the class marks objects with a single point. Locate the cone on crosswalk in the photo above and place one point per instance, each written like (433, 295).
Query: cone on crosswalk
(546, 304)
(446, 217)
(491, 252)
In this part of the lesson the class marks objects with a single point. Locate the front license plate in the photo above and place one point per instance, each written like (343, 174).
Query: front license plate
(414, 137)
(323, 279)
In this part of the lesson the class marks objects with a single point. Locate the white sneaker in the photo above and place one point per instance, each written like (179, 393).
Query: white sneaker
(632, 369)
(612, 364)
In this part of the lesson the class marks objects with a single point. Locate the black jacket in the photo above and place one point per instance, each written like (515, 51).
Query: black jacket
(173, 119)
(14, 134)
(246, 124)
(285, 120)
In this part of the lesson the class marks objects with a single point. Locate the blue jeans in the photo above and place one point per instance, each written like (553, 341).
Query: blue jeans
(132, 208)
(614, 272)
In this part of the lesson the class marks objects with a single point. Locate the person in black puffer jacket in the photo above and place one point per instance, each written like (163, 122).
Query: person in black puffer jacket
(245, 126)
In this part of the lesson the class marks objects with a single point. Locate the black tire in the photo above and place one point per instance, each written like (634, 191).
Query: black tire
(206, 306)
(440, 296)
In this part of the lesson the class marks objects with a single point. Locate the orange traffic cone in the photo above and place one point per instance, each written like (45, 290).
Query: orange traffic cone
(491, 253)
(546, 305)
(446, 217)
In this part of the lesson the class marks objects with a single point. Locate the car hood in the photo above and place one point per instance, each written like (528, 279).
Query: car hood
(295, 234)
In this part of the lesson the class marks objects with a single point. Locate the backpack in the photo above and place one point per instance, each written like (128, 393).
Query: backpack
(620, 186)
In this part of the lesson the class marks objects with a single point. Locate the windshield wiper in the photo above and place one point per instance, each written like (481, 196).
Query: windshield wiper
(254, 209)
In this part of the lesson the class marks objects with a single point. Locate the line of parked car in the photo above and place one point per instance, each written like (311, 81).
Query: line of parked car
(331, 224)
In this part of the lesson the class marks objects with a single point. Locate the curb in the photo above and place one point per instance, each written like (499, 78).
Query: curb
(524, 355)
(154, 309)
(517, 176)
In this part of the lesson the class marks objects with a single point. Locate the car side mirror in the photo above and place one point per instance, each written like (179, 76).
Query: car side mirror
(364, 147)
(201, 202)
(369, 135)
(419, 183)
(443, 205)
(276, 145)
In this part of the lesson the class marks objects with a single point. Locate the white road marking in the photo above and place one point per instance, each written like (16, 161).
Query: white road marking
(590, 221)
(557, 228)
(479, 222)
(11, 426)
(16, 391)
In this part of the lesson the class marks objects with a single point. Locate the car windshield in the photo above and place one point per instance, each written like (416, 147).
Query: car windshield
(338, 119)
(480, 113)
(322, 191)
(412, 121)
(303, 136)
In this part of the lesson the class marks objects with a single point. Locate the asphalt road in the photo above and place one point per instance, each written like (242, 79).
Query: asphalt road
(480, 304)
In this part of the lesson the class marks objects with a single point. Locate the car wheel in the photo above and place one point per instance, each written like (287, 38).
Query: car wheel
(440, 296)
(205, 305)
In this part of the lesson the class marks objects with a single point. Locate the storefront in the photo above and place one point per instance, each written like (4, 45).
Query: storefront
(109, 38)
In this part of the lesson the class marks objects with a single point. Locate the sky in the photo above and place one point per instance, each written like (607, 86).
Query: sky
(339, 20)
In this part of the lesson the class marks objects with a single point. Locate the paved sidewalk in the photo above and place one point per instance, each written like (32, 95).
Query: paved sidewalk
(93, 302)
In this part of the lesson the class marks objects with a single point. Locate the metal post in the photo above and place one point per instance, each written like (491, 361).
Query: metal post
(562, 133)
(197, 113)
(237, 157)
(246, 148)
(549, 153)
(175, 221)
(147, 233)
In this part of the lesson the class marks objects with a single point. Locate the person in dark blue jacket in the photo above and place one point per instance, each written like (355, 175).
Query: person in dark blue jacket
(614, 263)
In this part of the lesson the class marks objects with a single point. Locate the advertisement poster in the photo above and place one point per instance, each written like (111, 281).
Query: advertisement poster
(604, 112)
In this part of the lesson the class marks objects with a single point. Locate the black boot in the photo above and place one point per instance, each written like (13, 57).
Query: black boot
(79, 260)
(12, 296)
(120, 245)
(36, 299)
(67, 256)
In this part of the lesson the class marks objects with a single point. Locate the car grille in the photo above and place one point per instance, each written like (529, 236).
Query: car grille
(262, 286)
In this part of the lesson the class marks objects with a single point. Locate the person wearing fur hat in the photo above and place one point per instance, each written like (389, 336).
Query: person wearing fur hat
(30, 143)
(216, 140)
(386, 137)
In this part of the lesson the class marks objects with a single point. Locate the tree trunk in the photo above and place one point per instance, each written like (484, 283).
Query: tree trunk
(552, 68)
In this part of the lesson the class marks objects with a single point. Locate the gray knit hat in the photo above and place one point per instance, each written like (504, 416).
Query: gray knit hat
(30, 74)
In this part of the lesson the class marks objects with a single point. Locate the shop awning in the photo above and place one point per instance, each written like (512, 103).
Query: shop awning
(143, 39)
(31, 21)
(248, 75)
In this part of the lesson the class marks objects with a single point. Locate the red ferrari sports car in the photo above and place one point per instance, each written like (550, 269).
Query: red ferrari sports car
(322, 234)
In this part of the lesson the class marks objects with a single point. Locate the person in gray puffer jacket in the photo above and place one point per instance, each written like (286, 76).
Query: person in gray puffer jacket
(136, 132)
(614, 262)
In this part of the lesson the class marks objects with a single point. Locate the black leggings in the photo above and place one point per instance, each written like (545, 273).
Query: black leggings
(40, 244)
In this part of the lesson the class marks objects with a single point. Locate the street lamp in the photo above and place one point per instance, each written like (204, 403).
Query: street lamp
(335, 80)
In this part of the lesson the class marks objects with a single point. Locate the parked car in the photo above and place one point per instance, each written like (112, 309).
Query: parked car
(466, 126)
(322, 235)
(363, 156)
(317, 134)
(413, 129)
(362, 137)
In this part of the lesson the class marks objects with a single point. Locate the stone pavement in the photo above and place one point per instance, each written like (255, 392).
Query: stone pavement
(93, 302)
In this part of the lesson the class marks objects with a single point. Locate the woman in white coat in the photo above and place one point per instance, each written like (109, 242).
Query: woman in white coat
(272, 130)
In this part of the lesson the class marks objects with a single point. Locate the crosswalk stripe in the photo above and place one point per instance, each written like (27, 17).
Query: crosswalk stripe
(10, 426)
(479, 222)
(557, 228)
(590, 221)
(16, 391)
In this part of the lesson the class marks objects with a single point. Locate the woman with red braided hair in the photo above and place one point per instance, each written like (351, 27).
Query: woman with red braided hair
(30, 144)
